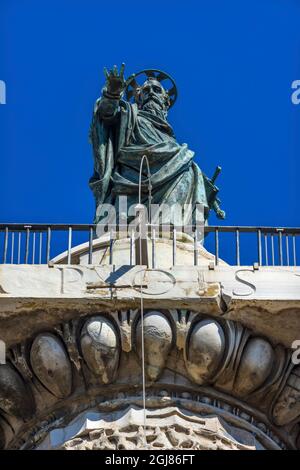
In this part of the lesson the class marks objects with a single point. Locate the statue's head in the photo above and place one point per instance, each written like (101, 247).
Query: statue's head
(153, 95)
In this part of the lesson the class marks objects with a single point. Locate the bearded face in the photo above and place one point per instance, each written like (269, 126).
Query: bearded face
(152, 96)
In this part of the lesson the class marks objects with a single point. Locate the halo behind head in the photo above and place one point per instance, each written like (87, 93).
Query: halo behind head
(132, 86)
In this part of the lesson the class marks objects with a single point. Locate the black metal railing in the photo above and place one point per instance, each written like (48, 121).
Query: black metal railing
(39, 243)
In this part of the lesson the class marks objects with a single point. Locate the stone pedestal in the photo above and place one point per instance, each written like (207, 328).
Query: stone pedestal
(220, 366)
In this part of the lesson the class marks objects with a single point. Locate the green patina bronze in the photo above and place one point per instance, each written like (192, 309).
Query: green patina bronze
(122, 132)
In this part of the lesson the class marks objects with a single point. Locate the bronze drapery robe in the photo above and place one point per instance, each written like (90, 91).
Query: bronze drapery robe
(119, 144)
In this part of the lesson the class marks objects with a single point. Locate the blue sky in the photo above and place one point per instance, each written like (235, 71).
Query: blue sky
(233, 61)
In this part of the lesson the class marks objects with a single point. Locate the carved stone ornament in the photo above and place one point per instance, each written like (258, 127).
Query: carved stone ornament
(210, 384)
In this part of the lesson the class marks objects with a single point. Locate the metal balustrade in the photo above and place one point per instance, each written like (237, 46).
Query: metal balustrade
(38, 243)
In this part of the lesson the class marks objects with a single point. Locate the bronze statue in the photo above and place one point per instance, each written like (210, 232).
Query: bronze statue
(122, 132)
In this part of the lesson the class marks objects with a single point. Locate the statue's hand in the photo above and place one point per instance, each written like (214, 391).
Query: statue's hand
(115, 82)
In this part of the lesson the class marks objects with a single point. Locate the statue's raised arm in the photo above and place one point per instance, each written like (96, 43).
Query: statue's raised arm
(108, 105)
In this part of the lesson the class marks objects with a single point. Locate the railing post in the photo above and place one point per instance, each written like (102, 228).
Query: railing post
(217, 246)
(27, 245)
(237, 242)
(141, 243)
(131, 248)
(280, 248)
(69, 244)
(33, 248)
(91, 246)
(40, 247)
(19, 248)
(5, 245)
(111, 242)
(12, 248)
(259, 247)
(195, 248)
(287, 249)
(272, 249)
(48, 244)
(153, 248)
(294, 251)
(174, 247)
(266, 249)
